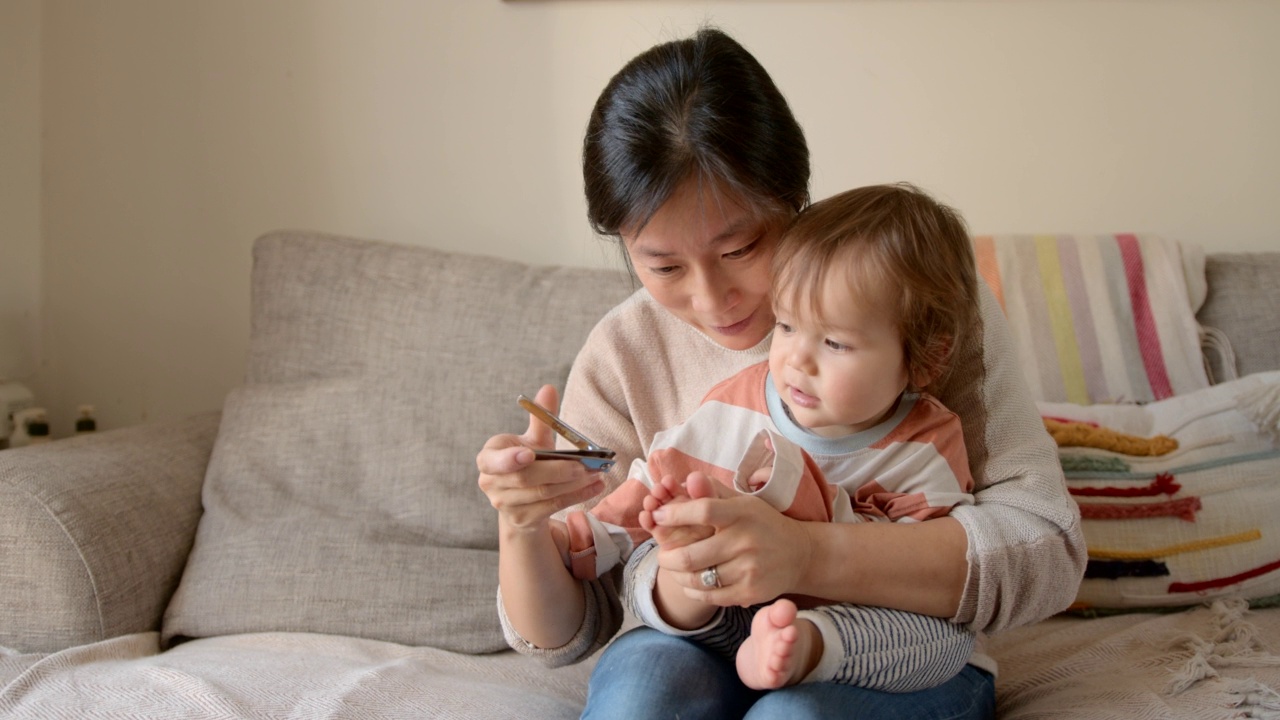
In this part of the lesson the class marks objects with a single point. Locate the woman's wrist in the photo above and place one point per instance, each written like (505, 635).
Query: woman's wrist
(677, 609)
(512, 531)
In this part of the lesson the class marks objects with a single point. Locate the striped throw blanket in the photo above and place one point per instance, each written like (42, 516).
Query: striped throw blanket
(1105, 318)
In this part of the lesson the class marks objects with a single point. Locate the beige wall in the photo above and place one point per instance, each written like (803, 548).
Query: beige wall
(178, 130)
(20, 275)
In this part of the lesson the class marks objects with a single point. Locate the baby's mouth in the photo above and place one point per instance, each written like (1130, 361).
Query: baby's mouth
(801, 398)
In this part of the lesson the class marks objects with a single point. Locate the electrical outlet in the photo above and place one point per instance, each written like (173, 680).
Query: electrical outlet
(14, 397)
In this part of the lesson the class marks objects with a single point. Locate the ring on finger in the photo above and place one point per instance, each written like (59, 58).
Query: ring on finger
(710, 578)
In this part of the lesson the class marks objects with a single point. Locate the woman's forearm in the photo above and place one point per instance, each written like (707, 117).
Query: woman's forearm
(542, 599)
(917, 567)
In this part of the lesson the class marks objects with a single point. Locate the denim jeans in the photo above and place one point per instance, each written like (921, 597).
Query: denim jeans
(646, 674)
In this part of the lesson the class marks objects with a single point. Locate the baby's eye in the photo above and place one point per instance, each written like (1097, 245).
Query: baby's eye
(784, 327)
(837, 346)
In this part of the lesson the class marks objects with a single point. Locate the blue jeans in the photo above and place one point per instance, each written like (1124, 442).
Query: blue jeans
(646, 674)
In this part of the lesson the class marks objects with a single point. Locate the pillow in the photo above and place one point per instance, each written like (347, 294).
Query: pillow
(1177, 497)
(1108, 318)
(336, 506)
(341, 493)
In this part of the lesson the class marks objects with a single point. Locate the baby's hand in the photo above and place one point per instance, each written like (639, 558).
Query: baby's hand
(760, 476)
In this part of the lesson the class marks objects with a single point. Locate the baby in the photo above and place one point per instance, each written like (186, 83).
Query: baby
(872, 289)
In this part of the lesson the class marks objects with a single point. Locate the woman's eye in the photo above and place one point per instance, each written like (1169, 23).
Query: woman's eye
(664, 270)
(742, 251)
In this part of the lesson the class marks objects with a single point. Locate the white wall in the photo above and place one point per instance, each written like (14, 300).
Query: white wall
(20, 274)
(178, 130)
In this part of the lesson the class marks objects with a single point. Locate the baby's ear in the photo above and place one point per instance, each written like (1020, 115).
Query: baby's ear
(930, 367)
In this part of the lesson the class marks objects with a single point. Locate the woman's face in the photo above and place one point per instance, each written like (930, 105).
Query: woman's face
(705, 257)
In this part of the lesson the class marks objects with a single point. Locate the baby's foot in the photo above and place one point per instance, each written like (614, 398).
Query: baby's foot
(668, 491)
(663, 492)
(699, 486)
(777, 653)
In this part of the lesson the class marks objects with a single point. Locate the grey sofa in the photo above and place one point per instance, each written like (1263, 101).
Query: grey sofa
(319, 548)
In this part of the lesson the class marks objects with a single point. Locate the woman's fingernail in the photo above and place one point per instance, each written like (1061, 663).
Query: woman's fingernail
(524, 457)
(660, 515)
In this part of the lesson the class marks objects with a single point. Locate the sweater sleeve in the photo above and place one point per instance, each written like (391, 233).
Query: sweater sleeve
(1026, 550)
(602, 620)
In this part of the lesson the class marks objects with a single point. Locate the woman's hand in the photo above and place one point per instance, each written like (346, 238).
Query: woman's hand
(758, 552)
(527, 493)
(543, 601)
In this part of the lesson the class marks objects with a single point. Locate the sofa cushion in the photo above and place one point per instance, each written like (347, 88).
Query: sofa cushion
(341, 497)
(1177, 497)
(1105, 318)
(1244, 303)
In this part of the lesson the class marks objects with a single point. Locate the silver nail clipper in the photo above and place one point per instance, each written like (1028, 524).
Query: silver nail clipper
(588, 453)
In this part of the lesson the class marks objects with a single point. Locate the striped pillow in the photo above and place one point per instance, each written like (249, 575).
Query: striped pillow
(1178, 497)
(1106, 318)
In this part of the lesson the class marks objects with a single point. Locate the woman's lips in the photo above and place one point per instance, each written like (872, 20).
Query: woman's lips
(802, 398)
(736, 328)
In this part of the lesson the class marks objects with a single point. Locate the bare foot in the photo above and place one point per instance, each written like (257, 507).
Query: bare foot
(780, 650)
(665, 491)
(699, 486)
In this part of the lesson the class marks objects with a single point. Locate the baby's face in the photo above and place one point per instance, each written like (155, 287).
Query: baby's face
(842, 372)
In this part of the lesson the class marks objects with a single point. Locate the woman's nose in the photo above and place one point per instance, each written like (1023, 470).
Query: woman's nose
(714, 292)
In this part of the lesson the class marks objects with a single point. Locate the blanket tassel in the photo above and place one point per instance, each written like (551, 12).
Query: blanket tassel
(1256, 700)
(1234, 644)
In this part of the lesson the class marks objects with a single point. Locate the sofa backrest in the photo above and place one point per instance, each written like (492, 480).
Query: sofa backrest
(1244, 303)
(327, 306)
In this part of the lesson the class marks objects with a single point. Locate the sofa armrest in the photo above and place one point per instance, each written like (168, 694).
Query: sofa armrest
(95, 531)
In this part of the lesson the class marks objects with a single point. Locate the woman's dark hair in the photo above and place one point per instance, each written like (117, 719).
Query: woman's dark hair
(700, 107)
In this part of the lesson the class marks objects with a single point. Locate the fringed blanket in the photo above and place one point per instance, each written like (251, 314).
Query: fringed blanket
(1106, 318)
(1210, 663)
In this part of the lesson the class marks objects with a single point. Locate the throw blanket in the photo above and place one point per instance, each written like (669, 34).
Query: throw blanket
(1210, 663)
(1108, 318)
(272, 676)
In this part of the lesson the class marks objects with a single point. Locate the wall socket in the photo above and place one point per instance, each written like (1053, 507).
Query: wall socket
(14, 396)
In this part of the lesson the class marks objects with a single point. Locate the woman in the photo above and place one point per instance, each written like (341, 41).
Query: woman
(693, 159)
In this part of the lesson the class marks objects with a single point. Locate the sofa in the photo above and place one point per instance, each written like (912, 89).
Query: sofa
(319, 547)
